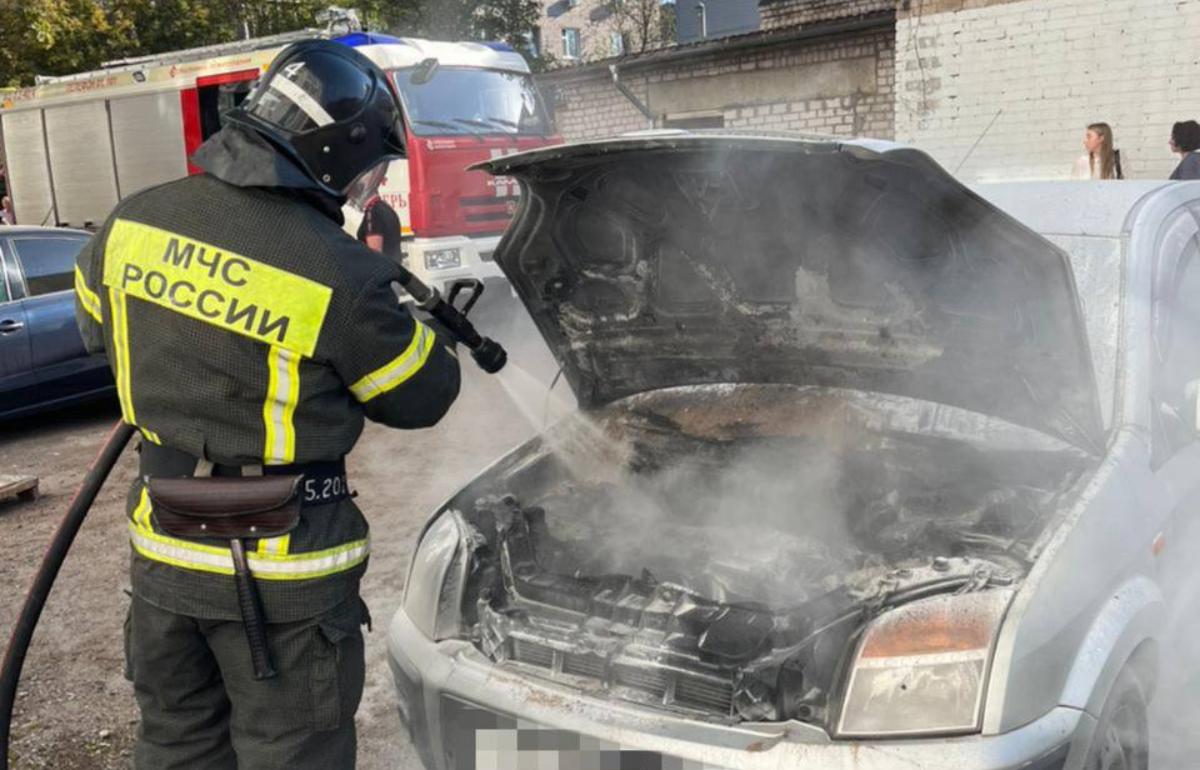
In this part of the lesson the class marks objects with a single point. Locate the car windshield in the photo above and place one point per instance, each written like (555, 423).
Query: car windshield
(466, 100)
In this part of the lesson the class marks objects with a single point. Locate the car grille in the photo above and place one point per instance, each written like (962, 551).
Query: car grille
(591, 666)
(705, 695)
(635, 679)
(532, 653)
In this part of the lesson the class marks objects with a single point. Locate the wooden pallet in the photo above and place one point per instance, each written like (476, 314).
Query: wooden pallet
(24, 488)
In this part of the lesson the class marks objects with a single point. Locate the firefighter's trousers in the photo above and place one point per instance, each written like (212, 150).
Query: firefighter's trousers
(202, 709)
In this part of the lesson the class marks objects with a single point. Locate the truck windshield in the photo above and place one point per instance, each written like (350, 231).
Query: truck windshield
(465, 100)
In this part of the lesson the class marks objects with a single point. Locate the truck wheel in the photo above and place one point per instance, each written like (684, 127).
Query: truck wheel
(1122, 738)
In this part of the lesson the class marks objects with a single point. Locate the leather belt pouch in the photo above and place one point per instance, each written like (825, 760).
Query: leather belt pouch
(226, 507)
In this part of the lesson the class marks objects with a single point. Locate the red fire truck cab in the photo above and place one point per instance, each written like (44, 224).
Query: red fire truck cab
(463, 103)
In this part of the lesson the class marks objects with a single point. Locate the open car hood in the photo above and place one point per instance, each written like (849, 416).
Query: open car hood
(680, 259)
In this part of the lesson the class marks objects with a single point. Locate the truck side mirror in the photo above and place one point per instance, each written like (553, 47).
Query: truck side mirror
(424, 72)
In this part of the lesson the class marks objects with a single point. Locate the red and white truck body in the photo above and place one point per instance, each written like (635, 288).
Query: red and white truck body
(75, 145)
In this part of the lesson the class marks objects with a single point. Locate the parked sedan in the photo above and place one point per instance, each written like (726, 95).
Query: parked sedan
(867, 473)
(42, 360)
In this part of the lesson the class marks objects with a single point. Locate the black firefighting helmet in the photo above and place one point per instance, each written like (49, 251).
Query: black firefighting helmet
(330, 109)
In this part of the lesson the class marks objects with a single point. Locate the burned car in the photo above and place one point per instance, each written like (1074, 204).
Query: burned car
(866, 473)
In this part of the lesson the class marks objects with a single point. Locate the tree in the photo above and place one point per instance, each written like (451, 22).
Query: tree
(507, 20)
(54, 37)
(59, 37)
(644, 24)
(155, 26)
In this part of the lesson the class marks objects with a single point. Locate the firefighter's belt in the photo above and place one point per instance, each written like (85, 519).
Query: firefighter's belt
(226, 508)
(323, 483)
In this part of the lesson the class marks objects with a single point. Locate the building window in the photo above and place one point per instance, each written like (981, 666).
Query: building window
(616, 43)
(570, 43)
(533, 42)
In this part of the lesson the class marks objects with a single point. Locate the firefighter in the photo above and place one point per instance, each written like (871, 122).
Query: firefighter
(249, 336)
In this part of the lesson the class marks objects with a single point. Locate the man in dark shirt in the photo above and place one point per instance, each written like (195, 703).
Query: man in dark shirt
(380, 227)
(1185, 141)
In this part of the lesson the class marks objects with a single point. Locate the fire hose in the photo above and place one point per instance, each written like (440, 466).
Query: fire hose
(490, 356)
(43, 579)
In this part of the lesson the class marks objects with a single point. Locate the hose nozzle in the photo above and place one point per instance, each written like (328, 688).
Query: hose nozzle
(488, 353)
(490, 356)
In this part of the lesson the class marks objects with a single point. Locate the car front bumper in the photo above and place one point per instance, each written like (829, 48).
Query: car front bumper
(475, 259)
(466, 713)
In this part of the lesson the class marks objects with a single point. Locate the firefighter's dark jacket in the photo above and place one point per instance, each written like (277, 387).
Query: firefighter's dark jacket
(244, 327)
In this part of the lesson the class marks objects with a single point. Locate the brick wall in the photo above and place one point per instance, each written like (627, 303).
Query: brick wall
(833, 85)
(787, 13)
(1051, 67)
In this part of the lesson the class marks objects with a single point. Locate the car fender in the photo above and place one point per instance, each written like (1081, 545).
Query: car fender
(1134, 614)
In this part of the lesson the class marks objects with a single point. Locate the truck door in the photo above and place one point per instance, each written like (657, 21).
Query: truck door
(17, 384)
(204, 106)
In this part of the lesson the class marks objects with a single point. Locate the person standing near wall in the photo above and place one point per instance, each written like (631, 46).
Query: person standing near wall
(1185, 141)
(1100, 160)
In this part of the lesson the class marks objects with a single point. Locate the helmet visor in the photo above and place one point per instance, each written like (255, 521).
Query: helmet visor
(366, 185)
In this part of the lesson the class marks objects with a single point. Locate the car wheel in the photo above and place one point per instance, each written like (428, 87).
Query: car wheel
(1122, 738)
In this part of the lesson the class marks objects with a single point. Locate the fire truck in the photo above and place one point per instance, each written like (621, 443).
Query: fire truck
(77, 144)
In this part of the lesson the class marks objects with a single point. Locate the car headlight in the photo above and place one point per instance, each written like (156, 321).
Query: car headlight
(436, 579)
(922, 667)
(443, 259)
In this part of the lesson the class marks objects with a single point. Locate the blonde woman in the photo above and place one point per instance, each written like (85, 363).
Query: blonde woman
(1100, 160)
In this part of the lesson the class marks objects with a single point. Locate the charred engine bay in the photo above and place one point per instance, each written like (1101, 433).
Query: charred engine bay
(716, 550)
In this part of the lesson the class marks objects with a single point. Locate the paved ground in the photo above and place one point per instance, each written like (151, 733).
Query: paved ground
(75, 709)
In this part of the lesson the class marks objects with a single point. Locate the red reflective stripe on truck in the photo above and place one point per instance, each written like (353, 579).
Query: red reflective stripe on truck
(189, 103)
(227, 77)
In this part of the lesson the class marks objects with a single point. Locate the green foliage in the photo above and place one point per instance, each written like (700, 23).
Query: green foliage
(507, 20)
(58, 37)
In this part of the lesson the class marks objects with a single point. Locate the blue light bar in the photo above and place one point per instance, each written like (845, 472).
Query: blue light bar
(355, 39)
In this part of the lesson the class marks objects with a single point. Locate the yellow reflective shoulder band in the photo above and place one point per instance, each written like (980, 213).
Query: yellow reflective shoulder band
(279, 406)
(399, 369)
(120, 351)
(88, 299)
(216, 286)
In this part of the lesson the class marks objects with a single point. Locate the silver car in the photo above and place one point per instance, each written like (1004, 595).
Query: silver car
(866, 473)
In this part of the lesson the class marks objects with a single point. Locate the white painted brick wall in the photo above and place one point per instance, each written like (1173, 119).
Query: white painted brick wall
(1052, 66)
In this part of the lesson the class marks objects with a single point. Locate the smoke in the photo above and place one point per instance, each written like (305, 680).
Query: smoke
(775, 494)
